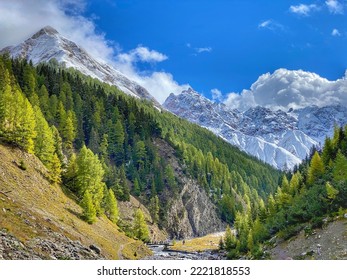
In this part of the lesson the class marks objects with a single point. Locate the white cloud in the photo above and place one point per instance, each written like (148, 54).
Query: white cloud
(159, 84)
(205, 49)
(335, 33)
(286, 89)
(271, 25)
(303, 9)
(142, 54)
(27, 17)
(216, 94)
(199, 50)
(334, 6)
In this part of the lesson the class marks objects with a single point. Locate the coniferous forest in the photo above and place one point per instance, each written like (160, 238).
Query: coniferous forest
(100, 144)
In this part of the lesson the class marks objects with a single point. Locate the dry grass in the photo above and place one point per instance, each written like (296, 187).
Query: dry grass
(32, 208)
(205, 243)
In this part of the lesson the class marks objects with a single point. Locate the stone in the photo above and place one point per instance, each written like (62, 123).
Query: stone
(95, 249)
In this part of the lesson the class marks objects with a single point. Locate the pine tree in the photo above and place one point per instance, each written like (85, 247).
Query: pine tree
(44, 142)
(140, 154)
(229, 239)
(58, 143)
(340, 168)
(140, 227)
(331, 191)
(55, 169)
(89, 176)
(316, 168)
(116, 142)
(123, 184)
(154, 209)
(68, 130)
(137, 190)
(111, 206)
(89, 211)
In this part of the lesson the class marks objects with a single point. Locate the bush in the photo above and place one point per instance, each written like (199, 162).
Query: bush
(22, 165)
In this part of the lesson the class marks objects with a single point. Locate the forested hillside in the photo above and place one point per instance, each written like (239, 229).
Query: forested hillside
(310, 197)
(99, 143)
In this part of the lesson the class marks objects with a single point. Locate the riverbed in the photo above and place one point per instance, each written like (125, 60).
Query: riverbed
(160, 252)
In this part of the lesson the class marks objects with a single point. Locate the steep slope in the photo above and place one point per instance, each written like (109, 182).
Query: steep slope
(48, 44)
(39, 221)
(328, 243)
(282, 139)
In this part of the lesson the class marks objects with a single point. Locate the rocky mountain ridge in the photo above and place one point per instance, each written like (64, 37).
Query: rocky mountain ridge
(48, 44)
(282, 139)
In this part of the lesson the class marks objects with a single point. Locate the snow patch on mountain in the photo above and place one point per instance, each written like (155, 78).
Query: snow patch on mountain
(282, 139)
(48, 44)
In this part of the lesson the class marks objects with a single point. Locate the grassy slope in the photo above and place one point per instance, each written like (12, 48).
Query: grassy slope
(32, 207)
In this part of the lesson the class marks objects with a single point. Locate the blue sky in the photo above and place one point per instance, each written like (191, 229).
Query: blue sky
(215, 46)
(228, 44)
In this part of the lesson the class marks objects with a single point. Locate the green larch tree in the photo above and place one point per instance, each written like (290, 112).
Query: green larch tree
(140, 229)
(89, 211)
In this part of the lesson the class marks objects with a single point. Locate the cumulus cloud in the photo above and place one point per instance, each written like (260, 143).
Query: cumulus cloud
(27, 17)
(303, 9)
(141, 54)
(335, 33)
(285, 89)
(334, 6)
(159, 84)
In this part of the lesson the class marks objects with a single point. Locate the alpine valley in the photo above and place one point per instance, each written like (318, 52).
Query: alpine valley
(93, 167)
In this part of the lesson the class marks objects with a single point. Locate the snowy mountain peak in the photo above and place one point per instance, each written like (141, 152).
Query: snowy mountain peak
(48, 43)
(48, 30)
(279, 138)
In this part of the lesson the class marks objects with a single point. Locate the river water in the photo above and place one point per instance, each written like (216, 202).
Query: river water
(160, 253)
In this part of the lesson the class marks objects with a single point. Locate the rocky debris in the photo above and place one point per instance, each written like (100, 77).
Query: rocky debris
(328, 243)
(95, 248)
(56, 247)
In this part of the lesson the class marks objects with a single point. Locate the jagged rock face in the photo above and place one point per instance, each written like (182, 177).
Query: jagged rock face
(189, 213)
(48, 44)
(193, 214)
(282, 139)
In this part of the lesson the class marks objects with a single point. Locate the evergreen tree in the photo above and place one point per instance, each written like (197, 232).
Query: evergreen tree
(111, 206)
(89, 176)
(154, 209)
(137, 190)
(340, 167)
(316, 169)
(44, 141)
(229, 239)
(55, 168)
(140, 227)
(89, 211)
